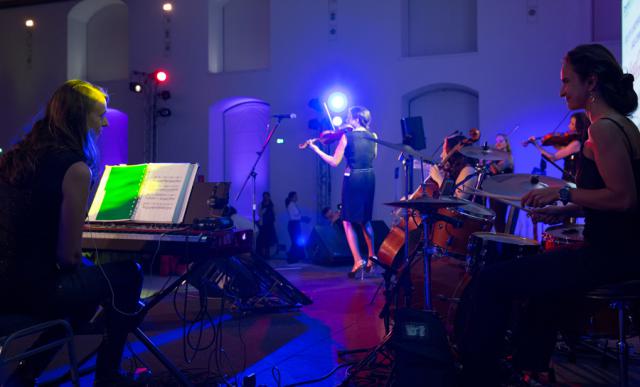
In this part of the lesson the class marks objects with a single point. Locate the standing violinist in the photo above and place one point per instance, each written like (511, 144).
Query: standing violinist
(455, 167)
(358, 184)
(575, 137)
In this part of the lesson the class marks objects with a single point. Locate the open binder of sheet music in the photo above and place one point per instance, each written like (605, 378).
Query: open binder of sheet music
(143, 193)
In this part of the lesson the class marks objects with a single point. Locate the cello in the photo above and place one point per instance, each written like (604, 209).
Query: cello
(395, 240)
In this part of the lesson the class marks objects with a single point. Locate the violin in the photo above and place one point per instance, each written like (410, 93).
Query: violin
(555, 139)
(328, 136)
(474, 136)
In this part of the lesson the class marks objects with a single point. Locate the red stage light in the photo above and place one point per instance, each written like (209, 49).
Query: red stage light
(161, 76)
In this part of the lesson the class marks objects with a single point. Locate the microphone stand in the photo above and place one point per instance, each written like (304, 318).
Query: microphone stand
(252, 174)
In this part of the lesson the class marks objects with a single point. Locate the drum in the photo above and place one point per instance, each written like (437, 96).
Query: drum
(563, 237)
(594, 318)
(453, 241)
(449, 278)
(487, 248)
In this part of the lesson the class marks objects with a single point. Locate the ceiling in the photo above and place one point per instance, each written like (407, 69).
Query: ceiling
(25, 3)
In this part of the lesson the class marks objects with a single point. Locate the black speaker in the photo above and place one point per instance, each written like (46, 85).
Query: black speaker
(327, 245)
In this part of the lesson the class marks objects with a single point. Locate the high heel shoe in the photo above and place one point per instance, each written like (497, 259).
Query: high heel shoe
(370, 264)
(354, 273)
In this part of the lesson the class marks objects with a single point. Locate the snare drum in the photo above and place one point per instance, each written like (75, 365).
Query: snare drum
(453, 241)
(563, 237)
(487, 248)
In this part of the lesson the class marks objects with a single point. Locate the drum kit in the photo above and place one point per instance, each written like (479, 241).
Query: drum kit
(456, 243)
(456, 237)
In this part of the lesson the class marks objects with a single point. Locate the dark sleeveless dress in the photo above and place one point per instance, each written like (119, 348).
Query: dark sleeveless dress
(608, 228)
(359, 182)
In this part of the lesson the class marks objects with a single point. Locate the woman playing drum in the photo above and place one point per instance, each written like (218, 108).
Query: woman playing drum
(608, 181)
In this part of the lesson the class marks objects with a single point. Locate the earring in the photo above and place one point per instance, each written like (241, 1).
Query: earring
(592, 97)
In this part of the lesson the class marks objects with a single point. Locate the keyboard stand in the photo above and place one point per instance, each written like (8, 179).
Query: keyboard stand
(142, 337)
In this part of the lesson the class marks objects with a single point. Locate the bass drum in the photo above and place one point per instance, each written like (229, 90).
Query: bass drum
(453, 241)
(486, 249)
(449, 277)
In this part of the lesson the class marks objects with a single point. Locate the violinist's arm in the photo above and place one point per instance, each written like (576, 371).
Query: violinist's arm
(334, 160)
(546, 154)
(571, 148)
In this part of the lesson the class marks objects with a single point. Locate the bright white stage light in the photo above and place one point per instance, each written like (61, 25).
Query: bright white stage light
(337, 101)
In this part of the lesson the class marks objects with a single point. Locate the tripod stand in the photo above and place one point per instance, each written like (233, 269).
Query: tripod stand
(432, 333)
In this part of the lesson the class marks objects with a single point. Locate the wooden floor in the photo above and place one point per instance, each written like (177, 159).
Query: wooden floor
(282, 348)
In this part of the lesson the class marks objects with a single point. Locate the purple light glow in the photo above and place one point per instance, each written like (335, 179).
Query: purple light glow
(113, 142)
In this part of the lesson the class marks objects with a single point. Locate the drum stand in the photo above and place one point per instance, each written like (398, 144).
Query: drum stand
(429, 216)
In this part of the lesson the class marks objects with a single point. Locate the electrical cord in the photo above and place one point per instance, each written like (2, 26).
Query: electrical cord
(326, 376)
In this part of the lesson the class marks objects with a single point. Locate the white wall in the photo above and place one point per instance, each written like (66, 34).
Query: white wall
(515, 71)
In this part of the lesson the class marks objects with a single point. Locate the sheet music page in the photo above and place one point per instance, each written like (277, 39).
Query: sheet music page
(117, 193)
(163, 192)
(99, 196)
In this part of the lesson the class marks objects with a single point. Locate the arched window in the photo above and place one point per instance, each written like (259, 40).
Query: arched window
(444, 108)
(237, 130)
(98, 40)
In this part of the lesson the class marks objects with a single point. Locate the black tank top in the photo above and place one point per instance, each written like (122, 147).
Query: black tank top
(610, 228)
(359, 152)
(34, 269)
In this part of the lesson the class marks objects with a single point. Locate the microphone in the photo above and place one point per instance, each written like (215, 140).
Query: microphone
(283, 116)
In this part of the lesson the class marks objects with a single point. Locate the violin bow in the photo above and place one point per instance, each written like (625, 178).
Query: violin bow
(326, 110)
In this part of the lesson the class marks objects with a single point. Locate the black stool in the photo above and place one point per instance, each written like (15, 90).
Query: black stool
(619, 295)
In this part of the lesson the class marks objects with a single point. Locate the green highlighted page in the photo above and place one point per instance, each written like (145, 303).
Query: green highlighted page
(145, 193)
(121, 192)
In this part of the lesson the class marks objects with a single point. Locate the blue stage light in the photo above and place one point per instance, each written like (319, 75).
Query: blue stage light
(336, 120)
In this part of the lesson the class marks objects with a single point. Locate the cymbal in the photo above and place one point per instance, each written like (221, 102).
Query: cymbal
(517, 184)
(400, 147)
(425, 204)
(484, 153)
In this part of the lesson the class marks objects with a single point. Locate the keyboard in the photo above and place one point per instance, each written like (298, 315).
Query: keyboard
(165, 239)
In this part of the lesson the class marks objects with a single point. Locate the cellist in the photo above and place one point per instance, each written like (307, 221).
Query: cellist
(454, 166)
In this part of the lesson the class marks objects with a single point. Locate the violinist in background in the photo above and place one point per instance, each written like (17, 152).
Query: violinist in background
(454, 167)
(496, 168)
(358, 184)
(567, 145)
